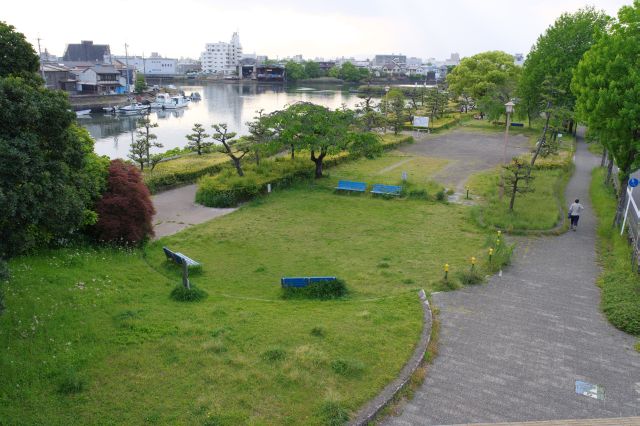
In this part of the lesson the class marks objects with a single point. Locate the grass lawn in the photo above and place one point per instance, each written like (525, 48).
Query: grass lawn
(539, 210)
(91, 336)
(619, 283)
(388, 170)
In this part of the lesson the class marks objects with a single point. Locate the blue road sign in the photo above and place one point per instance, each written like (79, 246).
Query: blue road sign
(633, 182)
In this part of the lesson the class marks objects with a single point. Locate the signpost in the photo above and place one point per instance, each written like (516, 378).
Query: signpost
(632, 184)
(421, 122)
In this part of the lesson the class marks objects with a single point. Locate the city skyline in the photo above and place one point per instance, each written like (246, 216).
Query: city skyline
(286, 28)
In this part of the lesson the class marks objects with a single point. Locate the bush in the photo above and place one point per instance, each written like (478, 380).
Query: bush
(182, 294)
(441, 195)
(322, 290)
(470, 276)
(125, 209)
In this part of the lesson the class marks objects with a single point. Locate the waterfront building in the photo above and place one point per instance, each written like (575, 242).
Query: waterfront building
(102, 79)
(59, 77)
(86, 51)
(153, 66)
(382, 60)
(222, 58)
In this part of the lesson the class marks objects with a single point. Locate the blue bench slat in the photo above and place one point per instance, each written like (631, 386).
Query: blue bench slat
(348, 185)
(303, 281)
(179, 258)
(386, 189)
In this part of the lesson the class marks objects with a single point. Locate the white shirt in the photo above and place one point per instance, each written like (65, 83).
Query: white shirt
(575, 209)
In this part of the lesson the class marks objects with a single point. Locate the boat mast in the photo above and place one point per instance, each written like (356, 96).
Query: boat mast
(126, 55)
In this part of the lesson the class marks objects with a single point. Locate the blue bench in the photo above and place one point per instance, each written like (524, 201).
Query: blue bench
(300, 282)
(180, 258)
(517, 124)
(386, 189)
(347, 185)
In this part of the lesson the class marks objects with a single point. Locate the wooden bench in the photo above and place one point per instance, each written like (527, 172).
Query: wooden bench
(386, 189)
(180, 258)
(300, 282)
(347, 185)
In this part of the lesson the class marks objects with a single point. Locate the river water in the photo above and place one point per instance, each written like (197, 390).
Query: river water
(231, 103)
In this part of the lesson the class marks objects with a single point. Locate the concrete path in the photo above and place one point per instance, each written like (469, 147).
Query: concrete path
(512, 349)
(176, 209)
(469, 152)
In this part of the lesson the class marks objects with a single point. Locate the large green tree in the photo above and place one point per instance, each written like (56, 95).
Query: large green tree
(606, 84)
(489, 78)
(545, 84)
(17, 56)
(50, 177)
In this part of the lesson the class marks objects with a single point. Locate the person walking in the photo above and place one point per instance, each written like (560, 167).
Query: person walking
(574, 213)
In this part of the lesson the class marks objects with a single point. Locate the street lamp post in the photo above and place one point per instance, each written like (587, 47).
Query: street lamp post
(509, 109)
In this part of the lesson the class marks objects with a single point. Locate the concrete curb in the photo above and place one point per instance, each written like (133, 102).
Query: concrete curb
(373, 407)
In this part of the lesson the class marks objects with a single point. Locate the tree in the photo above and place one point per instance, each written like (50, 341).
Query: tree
(49, 175)
(125, 210)
(197, 139)
(260, 134)
(516, 172)
(548, 69)
(489, 78)
(294, 71)
(312, 69)
(140, 84)
(322, 131)
(397, 107)
(606, 84)
(235, 150)
(349, 72)
(17, 56)
(140, 150)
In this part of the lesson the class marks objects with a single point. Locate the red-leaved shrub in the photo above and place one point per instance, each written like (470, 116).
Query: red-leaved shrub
(125, 210)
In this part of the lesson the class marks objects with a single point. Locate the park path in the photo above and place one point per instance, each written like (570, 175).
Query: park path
(176, 209)
(512, 349)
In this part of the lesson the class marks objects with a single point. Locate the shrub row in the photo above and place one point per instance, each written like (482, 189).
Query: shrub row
(227, 189)
(158, 180)
(320, 290)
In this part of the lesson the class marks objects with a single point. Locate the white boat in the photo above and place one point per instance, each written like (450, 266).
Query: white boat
(83, 112)
(133, 108)
(162, 100)
(177, 102)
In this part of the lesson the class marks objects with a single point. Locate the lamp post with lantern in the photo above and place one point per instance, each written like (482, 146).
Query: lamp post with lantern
(509, 109)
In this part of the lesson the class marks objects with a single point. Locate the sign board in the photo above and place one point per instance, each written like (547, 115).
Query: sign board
(592, 391)
(633, 182)
(420, 121)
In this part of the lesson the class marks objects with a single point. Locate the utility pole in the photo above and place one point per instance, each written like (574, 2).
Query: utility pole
(126, 55)
(41, 67)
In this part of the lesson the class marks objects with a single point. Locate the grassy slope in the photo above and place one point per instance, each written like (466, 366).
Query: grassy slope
(143, 357)
(620, 285)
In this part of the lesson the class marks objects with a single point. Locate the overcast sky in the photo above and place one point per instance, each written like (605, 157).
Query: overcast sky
(279, 28)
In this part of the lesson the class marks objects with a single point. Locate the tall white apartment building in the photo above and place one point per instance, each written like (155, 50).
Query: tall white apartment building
(222, 57)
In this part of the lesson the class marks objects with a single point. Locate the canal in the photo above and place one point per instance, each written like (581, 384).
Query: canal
(231, 103)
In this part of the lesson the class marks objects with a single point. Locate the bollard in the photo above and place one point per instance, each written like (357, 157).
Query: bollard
(490, 255)
(446, 271)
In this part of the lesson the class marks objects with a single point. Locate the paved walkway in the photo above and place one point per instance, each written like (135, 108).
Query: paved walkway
(176, 209)
(512, 349)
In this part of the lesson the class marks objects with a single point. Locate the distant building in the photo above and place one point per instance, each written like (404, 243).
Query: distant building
(86, 51)
(221, 57)
(153, 66)
(100, 79)
(414, 62)
(381, 60)
(48, 57)
(325, 66)
(392, 68)
(59, 77)
(270, 73)
(188, 66)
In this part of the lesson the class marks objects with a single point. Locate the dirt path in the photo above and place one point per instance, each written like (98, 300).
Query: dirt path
(513, 349)
(176, 210)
